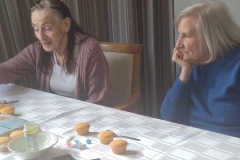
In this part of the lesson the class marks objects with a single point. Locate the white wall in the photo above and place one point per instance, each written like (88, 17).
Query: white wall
(234, 7)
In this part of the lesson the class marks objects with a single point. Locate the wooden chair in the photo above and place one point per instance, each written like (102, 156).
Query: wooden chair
(124, 65)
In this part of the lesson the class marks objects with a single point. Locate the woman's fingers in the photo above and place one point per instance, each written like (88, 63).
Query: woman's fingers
(177, 55)
(186, 66)
(178, 58)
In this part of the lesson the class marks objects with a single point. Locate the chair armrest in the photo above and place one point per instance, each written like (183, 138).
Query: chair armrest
(130, 103)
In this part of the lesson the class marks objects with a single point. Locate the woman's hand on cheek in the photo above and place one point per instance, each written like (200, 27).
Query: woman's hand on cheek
(185, 65)
(178, 58)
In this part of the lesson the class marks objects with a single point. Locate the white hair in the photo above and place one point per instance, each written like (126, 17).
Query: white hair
(214, 26)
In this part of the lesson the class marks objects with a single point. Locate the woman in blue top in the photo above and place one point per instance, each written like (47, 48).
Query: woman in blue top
(207, 92)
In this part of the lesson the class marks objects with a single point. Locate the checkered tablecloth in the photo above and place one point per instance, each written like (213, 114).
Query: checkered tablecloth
(160, 140)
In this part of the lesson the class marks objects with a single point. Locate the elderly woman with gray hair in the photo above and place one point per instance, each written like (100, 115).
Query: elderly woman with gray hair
(206, 93)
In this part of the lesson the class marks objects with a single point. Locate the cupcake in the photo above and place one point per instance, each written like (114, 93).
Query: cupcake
(2, 105)
(118, 146)
(7, 110)
(3, 144)
(82, 128)
(105, 137)
(2, 117)
(15, 134)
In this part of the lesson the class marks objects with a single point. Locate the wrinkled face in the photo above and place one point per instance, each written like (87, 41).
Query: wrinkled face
(50, 30)
(189, 42)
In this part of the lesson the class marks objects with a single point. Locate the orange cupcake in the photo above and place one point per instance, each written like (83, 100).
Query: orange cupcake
(7, 110)
(16, 133)
(106, 137)
(82, 128)
(3, 144)
(2, 117)
(2, 105)
(118, 146)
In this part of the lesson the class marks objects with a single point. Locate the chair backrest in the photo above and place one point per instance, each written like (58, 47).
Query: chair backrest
(124, 65)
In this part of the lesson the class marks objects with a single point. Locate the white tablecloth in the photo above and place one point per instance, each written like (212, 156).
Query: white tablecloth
(159, 139)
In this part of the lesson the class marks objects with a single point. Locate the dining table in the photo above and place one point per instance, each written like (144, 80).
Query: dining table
(158, 139)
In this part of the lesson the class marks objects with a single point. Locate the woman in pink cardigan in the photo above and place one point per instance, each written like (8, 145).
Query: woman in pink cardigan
(65, 59)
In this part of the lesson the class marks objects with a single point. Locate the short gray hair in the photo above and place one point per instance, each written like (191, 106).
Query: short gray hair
(214, 26)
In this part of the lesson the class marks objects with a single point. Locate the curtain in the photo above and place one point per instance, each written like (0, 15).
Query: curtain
(148, 22)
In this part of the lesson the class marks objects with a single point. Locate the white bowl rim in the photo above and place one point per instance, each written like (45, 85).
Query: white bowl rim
(42, 132)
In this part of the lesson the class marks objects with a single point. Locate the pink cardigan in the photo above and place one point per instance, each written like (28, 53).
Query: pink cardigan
(91, 69)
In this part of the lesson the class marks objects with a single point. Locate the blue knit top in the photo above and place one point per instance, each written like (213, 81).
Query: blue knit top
(210, 100)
